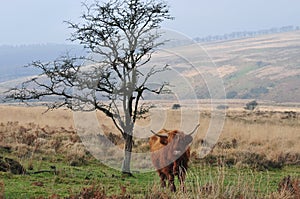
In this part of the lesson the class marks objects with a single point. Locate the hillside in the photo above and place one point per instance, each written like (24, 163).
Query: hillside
(266, 67)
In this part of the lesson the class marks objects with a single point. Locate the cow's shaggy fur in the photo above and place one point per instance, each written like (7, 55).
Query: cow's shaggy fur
(170, 153)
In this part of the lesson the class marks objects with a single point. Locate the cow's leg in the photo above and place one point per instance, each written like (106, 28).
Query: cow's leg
(171, 182)
(181, 177)
(163, 178)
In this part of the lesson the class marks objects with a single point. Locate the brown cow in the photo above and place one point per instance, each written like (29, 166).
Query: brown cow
(170, 153)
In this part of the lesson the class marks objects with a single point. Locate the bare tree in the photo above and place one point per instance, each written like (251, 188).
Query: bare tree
(122, 35)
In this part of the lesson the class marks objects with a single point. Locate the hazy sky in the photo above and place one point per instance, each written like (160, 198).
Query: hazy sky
(41, 21)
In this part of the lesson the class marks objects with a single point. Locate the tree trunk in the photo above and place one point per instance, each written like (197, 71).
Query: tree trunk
(127, 155)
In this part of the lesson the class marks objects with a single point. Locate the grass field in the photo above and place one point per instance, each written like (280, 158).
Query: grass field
(256, 151)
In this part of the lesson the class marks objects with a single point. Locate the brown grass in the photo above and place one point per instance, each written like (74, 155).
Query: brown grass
(273, 134)
(289, 187)
(270, 136)
(45, 136)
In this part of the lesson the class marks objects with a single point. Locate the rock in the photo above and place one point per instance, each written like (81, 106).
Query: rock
(10, 165)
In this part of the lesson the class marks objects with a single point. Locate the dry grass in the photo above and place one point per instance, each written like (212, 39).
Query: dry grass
(274, 134)
(36, 139)
(246, 187)
(261, 140)
(268, 136)
(37, 115)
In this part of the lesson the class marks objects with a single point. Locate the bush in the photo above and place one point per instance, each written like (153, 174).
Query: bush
(176, 106)
(231, 94)
(256, 161)
(251, 105)
(250, 160)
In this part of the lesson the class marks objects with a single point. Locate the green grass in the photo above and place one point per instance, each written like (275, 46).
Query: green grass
(264, 182)
(242, 72)
(71, 180)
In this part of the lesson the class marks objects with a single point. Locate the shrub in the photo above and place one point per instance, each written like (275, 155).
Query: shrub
(231, 94)
(257, 161)
(176, 106)
(251, 105)
(251, 160)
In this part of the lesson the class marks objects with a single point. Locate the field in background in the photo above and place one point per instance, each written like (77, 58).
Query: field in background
(265, 67)
(254, 153)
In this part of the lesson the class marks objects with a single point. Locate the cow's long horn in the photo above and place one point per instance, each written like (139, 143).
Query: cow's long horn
(194, 130)
(161, 136)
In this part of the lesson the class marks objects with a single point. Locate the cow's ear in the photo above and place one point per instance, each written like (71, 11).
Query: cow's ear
(163, 140)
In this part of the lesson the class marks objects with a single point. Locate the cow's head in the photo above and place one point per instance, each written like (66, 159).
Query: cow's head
(176, 141)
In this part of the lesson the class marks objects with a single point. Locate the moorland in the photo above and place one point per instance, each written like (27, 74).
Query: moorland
(257, 156)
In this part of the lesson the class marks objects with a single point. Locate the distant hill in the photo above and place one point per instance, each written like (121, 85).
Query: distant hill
(265, 67)
(14, 58)
(246, 34)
